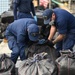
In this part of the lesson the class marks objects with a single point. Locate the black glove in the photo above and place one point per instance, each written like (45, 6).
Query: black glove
(45, 42)
(49, 43)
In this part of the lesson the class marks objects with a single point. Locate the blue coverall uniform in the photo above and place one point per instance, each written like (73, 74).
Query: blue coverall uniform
(24, 7)
(17, 36)
(65, 23)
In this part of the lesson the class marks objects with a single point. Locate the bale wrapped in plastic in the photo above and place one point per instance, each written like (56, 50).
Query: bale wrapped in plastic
(66, 63)
(39, 64)
(7, 67)
(35, 49)
(2, 29)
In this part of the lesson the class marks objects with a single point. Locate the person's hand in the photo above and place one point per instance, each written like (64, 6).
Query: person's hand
(41, 42)
(35, 17)
(45, 42)
(49, 43)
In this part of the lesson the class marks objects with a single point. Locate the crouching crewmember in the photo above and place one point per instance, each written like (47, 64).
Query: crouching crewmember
(18, 34)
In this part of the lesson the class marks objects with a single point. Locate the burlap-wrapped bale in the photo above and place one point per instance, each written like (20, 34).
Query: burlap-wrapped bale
(39, 64)
(7, 67)
(2, 29)
(66, 64)
(35, 49)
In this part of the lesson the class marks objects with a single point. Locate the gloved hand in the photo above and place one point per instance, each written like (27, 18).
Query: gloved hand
(49, 43)
(41, 42)
(45, 42)
(35, 17)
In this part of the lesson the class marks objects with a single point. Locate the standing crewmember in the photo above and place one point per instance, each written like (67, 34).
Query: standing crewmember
(23, 9)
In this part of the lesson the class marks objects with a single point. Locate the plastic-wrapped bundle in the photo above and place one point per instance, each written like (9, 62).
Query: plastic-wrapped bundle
(2, 29)
(7, 67)
(35, 49)
(66, 64)
(37, 65)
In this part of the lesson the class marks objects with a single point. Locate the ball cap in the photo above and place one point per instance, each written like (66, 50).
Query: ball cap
(33, 32)
(47, 14)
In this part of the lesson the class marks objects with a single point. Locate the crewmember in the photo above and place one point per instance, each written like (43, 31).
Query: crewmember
(63, 22)
(25, 9)
(19, 34)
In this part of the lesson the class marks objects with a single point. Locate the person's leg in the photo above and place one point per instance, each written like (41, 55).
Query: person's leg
(58, 45)
(58, 48)
(68, 44)
(14, 47)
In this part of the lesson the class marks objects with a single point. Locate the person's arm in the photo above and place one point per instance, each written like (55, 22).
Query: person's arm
(15, 10)
(58, 38)
(62, 29)
(21, 41)
(52, 32)
(33, 11)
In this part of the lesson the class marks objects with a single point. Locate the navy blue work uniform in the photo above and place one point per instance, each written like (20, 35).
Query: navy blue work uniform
(18, 36)
(65, 23)
(24, 7)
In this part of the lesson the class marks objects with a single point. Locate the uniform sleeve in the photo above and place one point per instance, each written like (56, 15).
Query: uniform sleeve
(20, 38)
(15, 11)
(32, 8)
(21, 41)
(62, 26)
